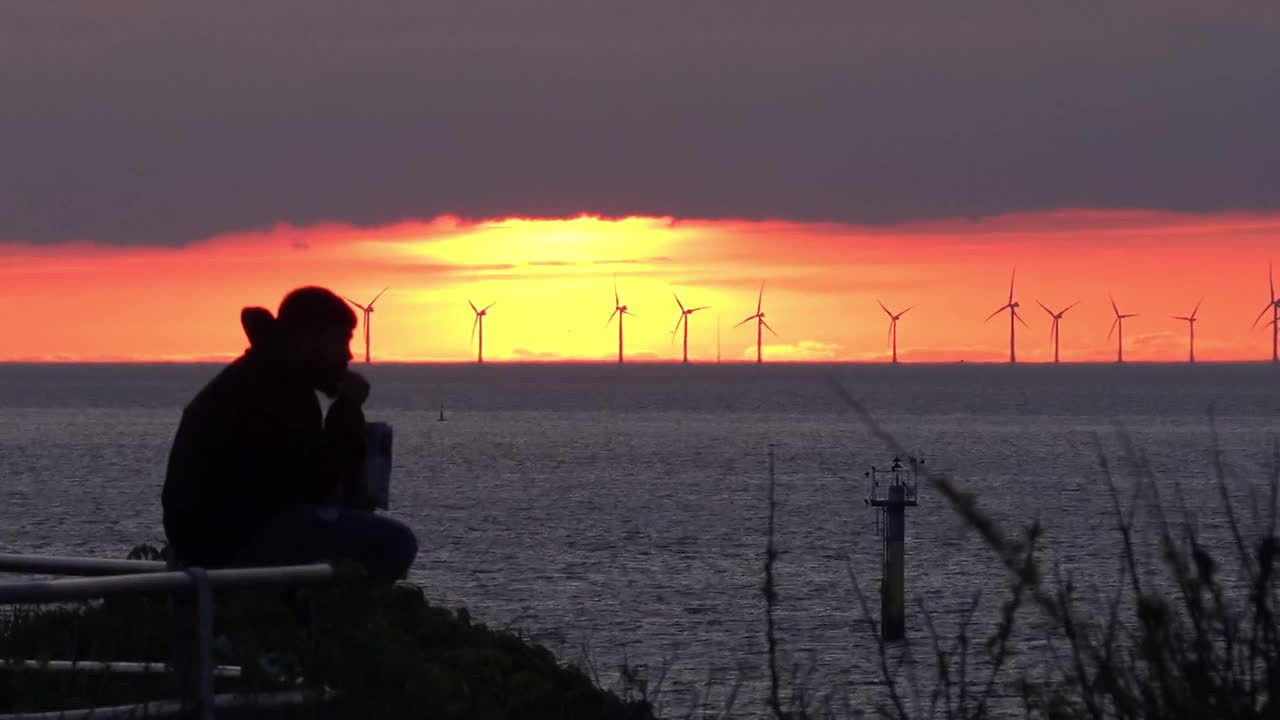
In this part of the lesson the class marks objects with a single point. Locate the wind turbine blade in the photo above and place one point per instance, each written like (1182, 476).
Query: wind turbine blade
(885, 309)
(1053, 327)
(628, 312)
(766, 327)
(1046, 309)
(473, 306)
(760, 300)
(997, 312)
(673, 332)
(353, 302)
(677, 297)
(1264, 312)
(616, 301)
(1271, 278)
(1113, 306)
(1064, 310)
(1197, 308)
(694, 310)
(744, 322)
(888, 339)
(1179, 317)
(904, 312)
(486, 307)
(474, 323)
(375, 297)
(1113, 327)
(1019, 317)
(610, 320)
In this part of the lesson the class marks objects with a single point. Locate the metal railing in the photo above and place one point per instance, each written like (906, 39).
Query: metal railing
(80, 566)
(112, 667)
(122, 577)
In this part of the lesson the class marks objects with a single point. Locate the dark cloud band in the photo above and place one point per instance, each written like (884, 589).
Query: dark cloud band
(162, 124)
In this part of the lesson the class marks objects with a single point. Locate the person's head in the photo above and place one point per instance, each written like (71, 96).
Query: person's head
(315, 329)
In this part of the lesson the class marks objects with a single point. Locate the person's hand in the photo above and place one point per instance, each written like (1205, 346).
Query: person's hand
(353, 388)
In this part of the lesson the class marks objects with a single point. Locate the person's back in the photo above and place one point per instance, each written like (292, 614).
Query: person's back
(254, 459)
(238, 459)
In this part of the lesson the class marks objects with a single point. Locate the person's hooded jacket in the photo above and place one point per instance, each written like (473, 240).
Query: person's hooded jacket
(253, 444)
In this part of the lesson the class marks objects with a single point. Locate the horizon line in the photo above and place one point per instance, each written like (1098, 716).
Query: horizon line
(630, 361)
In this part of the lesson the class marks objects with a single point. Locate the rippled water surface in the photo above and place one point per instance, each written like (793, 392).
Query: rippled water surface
(613, 512)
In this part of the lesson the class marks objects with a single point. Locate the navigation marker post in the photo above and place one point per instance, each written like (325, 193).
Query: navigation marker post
(891, 524)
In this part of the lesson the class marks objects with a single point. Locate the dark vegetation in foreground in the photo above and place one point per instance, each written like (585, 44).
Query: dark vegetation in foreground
(384, 652)
(1200, 641)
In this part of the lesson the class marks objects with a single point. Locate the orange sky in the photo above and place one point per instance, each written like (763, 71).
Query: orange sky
(552, 284)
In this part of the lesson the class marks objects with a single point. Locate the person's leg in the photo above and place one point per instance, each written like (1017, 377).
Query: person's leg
(385, 547)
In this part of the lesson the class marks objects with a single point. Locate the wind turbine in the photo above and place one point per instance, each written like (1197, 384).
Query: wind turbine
(368, 311)
(684, 318)
(479, 323)
(893, 328)
(1274, 307)
(1191, 321)
(619, 310)
(1118, 323)
(1054, 328)
(760, 326)
(1012, 307)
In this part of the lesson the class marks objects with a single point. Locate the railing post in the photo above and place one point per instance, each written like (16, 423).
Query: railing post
(198, 686)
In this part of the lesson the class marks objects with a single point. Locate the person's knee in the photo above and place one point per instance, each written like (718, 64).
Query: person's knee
(407, 549)
(399, 547)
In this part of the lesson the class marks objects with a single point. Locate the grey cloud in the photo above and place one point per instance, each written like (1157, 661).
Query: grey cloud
(613, 261)
(527, 354)
(631, 261)
(432, 268)
(162, 123)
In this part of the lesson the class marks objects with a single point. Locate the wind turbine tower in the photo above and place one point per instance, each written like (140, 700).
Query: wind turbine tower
(1055, 327)
(479, 323)
(1118, 323)
(761, 325)
(684, 320)
(620, 311)
(1012, 307)
(1274, 307)
(893, 328)
(1191, 321)
(368, 312)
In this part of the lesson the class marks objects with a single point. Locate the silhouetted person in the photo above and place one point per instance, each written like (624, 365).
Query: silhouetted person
(259, 475)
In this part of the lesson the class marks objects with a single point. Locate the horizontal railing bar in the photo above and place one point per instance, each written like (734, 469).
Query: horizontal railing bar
(82, 566)
(112, 667)
(36, 591)
(174, 708)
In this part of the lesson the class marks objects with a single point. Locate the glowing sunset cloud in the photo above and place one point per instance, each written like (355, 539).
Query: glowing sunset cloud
(554, 280)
